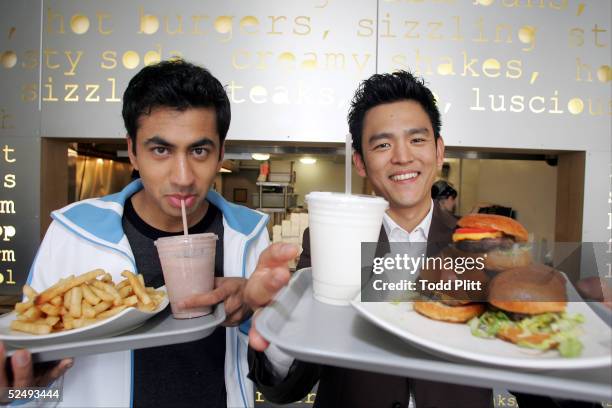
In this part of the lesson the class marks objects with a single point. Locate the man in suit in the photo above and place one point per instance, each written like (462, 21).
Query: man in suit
(395, 127)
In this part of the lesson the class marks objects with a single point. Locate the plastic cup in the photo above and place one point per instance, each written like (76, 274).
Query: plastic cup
(188, 264)
(339, 223)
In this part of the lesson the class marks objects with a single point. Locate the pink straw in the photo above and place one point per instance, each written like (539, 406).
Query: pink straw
(184, 214)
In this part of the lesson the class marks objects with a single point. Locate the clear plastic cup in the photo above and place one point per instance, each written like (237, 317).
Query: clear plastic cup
(339, 223)
(188, 264)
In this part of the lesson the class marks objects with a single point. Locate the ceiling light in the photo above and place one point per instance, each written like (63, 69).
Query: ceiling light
(308, 160)
(224, 170)
(260, 156)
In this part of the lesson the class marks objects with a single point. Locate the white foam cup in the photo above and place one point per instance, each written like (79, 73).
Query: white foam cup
(339, 223)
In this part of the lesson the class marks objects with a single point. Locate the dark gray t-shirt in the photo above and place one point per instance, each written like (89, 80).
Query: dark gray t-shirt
(180, 375)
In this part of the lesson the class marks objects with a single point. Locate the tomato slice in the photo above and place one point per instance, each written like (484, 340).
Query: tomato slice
(474, 230)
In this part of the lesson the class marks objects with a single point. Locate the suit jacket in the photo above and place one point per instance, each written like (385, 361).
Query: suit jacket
(342, 387)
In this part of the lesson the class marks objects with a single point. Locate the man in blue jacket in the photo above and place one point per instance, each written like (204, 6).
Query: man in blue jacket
(177, 116)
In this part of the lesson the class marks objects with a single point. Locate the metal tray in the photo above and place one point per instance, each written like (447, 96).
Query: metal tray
(160, 330)
(300, 326)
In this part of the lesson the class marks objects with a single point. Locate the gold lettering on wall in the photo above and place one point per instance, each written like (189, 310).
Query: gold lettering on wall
(6, 120)
(419, 33)
(7, 209)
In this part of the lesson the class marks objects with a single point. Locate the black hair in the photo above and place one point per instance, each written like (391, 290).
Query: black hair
(442, 189)
(175, 84)
(387, 88)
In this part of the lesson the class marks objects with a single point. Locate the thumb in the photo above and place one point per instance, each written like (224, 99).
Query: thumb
(256, 340)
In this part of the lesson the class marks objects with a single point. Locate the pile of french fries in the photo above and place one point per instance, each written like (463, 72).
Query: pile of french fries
(78, 301)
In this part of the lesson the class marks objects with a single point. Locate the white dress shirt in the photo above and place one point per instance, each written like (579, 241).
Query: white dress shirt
(395, 233)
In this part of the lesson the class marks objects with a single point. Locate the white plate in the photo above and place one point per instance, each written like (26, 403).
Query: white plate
(455, 341)
(126, 320)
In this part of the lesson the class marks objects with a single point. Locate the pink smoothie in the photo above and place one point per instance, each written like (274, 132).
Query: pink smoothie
(188, 264)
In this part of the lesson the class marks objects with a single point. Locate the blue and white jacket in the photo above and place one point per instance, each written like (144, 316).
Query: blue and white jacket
(87, 235)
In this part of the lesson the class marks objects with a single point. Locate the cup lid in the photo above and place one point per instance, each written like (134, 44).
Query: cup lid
(328, 196)
(186, 239)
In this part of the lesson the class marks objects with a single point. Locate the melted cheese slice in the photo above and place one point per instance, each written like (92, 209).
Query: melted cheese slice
(475, 236)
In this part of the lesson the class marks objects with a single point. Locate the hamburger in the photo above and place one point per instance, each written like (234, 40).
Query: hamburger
(440, 310)
(500, 240)
(527, 308)
(456, 305)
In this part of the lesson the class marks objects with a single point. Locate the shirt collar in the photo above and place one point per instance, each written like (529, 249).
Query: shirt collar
(392, 228)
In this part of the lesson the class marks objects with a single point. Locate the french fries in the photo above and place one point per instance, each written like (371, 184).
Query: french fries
(138, 287)
(79, 301)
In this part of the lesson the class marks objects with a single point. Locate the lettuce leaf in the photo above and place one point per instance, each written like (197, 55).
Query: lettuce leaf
(563, 330)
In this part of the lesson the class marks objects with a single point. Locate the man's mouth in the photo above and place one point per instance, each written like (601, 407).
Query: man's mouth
(175, 200)
(404, 176)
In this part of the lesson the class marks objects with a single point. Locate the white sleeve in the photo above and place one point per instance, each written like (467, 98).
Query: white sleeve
(280, 361)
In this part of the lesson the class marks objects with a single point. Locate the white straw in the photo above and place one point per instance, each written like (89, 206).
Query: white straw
(184, 214)
(347, 165)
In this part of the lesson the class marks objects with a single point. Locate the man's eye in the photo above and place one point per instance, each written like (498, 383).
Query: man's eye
(200, 152)
(418, 140)
(382, 146)
(160, 150)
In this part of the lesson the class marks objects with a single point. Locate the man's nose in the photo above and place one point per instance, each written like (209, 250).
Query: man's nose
(182, 173)
(402, 153)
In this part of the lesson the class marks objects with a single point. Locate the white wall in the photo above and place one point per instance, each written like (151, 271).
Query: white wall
(324, 175)
(498, 181)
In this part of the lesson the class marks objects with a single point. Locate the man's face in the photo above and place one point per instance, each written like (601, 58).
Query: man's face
(400, 155)
(178, 156)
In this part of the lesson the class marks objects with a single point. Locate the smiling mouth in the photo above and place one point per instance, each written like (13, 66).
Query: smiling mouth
(404, 176)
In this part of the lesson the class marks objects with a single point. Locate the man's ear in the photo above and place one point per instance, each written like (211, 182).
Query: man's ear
(359, 164)
(440, 152)
(221, 154)
(131, 148)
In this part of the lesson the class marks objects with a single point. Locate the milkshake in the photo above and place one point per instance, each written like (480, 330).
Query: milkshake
(188, 264)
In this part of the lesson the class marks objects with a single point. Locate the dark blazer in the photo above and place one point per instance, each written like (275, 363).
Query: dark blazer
(342, 387)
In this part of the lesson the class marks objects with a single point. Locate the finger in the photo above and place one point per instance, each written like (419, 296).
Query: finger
(278, 254)
(237, 316)
(22, 369)
(256, 341)
(231, 321)
(214, 297)
(232, 306)
(55, 372)
(3, 380)
(261, 288)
